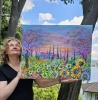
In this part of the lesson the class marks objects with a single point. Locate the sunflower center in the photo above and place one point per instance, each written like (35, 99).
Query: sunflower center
(54, 74)
(75, 71)
(64, 73)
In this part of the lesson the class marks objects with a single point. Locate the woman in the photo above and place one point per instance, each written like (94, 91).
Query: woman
(12, 87)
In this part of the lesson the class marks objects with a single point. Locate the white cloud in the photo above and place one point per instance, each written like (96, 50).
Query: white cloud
(96, 26)
(52, 1)
(95, 51)
(97, 23)
(74, 21)
(25, 22)
(45, 16)
(47, 23)
(28, 5)
(95, 34)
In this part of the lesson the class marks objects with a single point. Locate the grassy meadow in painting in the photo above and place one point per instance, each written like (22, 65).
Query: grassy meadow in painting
(54, 51)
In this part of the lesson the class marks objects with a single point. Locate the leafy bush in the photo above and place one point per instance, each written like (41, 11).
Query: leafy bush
(49, 93)
(80, 97)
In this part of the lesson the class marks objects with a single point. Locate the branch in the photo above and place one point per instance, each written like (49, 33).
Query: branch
(21, 4)
(85, 4)
(14, 6)
(91, 13)
(67, 1)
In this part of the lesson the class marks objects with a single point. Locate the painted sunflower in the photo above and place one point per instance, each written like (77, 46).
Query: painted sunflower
(75, 72)
(68, 66)
(30, 72)
(44, 75)
(80, 62)
(64, 74)
(54, 74)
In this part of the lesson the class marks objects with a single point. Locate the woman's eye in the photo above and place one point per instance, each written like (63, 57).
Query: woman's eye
(10, 45)
(17, 45)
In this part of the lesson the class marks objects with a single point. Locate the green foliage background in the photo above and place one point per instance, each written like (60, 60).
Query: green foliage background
(6, 10)
(49, 93)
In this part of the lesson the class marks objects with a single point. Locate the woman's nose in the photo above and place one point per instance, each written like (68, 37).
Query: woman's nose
(15, 46)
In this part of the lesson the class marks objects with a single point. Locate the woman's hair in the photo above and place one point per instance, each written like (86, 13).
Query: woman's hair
(3, 49)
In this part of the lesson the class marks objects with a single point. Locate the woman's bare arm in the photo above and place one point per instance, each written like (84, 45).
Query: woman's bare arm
(50, 82)
(7, 89)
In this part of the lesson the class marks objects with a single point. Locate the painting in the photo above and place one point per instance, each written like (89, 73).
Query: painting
(56, 51)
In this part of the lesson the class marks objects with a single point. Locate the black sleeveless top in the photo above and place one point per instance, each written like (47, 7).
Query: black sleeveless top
(23, 90)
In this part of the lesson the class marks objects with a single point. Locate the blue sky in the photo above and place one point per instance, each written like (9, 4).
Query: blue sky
(44, 12)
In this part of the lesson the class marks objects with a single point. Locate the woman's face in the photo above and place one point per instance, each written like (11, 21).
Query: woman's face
(13, 48)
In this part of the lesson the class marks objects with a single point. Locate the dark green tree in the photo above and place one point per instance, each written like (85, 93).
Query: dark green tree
(6, 5)
(10, 18)
(16, 9)
(0, 19)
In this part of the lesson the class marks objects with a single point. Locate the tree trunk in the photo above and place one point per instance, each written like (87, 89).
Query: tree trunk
(91, 14)
(70, 91)
(17, 6)
(0, 16)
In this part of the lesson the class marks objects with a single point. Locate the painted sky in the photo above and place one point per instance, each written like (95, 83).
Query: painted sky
(57, 34)
(58, 37)
(44, 12)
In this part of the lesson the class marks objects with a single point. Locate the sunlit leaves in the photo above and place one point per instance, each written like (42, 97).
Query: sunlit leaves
(49, 93)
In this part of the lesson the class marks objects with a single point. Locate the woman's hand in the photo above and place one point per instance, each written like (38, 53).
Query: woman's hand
(19, 72)
(36, 76)
(68, 80)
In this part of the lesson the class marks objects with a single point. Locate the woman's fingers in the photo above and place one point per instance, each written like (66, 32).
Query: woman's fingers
(69, 80)
(36, 76)
(19, 71)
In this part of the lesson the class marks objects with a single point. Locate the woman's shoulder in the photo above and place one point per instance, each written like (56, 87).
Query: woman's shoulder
(8, 71)
(4, 67)
(2, 73)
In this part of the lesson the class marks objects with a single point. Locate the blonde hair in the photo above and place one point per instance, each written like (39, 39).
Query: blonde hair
(3, 56)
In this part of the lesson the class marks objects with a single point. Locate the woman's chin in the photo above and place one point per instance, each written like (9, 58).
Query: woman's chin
(14, 54)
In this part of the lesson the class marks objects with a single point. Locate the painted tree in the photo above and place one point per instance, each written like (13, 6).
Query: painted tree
(57, 53)
(27, 40)
(83, 44)
(32, 41)
(80, 40)
(67, 44)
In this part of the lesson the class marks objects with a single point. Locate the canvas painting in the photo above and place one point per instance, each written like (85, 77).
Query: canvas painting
(56, 51)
